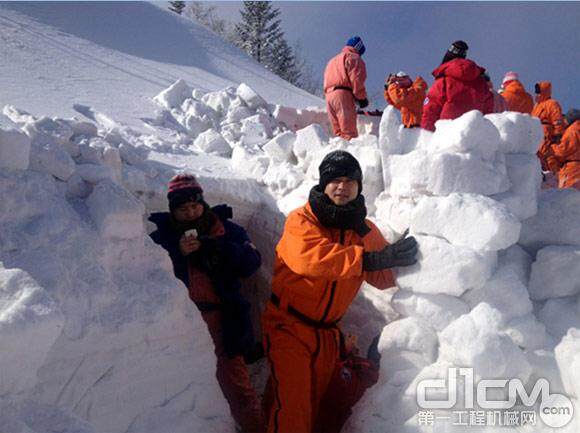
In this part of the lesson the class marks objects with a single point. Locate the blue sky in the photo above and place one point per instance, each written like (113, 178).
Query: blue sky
(540, 40)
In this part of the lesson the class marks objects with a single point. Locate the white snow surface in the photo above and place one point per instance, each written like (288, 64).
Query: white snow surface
(102, 338)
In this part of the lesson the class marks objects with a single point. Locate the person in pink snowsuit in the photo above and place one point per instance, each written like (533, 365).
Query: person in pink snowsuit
(344, 84)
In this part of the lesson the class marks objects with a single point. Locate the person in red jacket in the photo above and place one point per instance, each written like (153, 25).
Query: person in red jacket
(344, 84)
(459, 87)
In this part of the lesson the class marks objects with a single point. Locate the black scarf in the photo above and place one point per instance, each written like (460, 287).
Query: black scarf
(351, 216)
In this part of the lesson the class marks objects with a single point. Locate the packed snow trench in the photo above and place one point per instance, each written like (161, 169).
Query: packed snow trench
(98, 336)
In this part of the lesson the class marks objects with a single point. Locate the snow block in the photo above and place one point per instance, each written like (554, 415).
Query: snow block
(30, 322)
(283, 178)
(525, 175)
(419, 173)
(435, 309)
(253, 163)
(174, 95)
(469, 133)
(365, 150)
(518, 261)
(115, 211)
(131, 154)
(218, 101)
(519, 133)
(556, 223)
(49, 157)
(446, 269)
(212, 142)
(288, 116)
(527, 332)
(568, 359)
(76, 187)
(14, 149)
(280, 147)
(94, 173)
(250, 96)
(195, 124)
(555, 273)
(82, 128)
(389, 142)
(474, 340)
(468, 220)
(406, 344)
(256, 129)
(198, 109)
(91, 152)
(309, 140)
(559, 315)
(503, 291)
(237, 114)
(466, 172)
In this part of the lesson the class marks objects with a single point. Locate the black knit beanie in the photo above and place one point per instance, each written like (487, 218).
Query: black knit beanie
(339, 164)
(458, 49)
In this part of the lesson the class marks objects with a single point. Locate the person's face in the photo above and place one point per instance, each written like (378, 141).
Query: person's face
(188, 212)
(342, 190)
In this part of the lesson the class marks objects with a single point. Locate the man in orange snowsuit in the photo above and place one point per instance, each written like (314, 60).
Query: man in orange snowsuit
(344, 84)
(515, 94)
(549, 112)
(566, 153)
(328, 248)
(406, 96)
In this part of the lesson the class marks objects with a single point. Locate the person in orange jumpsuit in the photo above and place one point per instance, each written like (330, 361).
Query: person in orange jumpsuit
(566, 153)
(549, 112)
(327, 249)
(344, 84)
(210, 254)
(406, 96)
(515, 94)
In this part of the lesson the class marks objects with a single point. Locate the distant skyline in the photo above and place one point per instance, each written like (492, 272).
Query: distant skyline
(539, 40)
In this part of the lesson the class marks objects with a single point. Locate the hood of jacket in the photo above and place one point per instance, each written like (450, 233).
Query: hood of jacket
(514, 86)
(545, 91)
(460, 69)
(349, 49)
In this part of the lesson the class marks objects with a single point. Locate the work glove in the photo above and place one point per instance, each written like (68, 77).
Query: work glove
(401, 253)
(362, 103)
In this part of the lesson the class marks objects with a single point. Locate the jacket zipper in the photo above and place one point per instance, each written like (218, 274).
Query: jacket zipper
(333, 288)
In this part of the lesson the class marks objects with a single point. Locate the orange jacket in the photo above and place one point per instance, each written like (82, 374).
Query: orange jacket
(567, 154)
(408, 100)
(318, 270)
(549, 112)
(347, 69)
(517, 98)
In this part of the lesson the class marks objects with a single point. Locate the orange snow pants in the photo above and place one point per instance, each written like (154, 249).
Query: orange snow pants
(302, 361)
(234, 380)
(232, 373)
(342, 113)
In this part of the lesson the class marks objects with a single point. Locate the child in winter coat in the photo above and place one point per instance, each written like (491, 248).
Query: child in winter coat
(210, 254)
(407, 96)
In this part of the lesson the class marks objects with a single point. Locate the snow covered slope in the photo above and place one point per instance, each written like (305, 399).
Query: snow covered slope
(115, 56)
